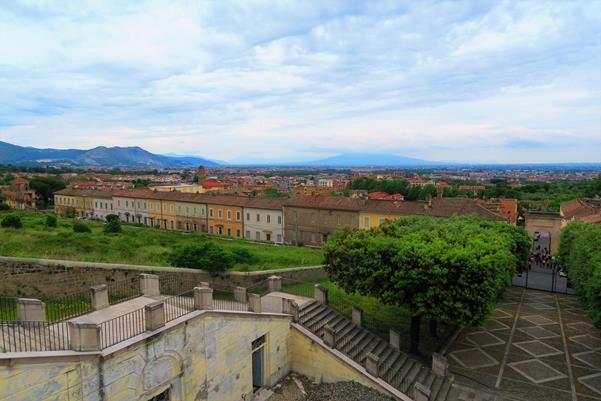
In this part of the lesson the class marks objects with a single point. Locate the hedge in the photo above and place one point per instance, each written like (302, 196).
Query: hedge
(580, 255)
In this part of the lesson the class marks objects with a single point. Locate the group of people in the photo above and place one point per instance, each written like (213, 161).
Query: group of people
(541, 257)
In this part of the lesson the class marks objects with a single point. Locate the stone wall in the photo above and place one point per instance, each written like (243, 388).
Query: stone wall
(46, 278)
(206, 359)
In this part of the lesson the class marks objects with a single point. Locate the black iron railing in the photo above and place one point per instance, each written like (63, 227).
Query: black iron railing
(122, 327)
(178, 305)
(34, 336)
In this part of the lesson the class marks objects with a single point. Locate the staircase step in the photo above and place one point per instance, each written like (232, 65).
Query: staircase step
(387, 356)
(436, 386)
(421, 375)
(410, 378)
(360, 347)
(344, 330)
(318, 318)
(394, 369)
(319, 324)
(429, 379)
(314, 314)
(308, 308)
(444, 391)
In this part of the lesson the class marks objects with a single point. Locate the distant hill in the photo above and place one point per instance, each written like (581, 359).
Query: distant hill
(100, 156)
(370, 160)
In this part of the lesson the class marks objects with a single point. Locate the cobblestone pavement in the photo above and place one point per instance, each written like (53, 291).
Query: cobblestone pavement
(536, 346)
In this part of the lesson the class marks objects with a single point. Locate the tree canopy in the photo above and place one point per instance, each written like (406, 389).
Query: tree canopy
(46, 186)
(446, 269)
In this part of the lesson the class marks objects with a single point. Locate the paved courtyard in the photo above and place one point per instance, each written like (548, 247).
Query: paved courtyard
(536, 346)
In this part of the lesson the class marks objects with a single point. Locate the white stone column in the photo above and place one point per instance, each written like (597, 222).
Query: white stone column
(274, 283)
(329, 336)
(100, 296)
(254, 303)
(372, 362)
(84, 336)
(440, 365)
(154, 315)
(31, 310)
(149, 285)
(321, 294)
(240, 294)
(203, 298)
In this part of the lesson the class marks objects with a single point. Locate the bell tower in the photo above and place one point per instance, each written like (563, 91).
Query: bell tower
(202, 175)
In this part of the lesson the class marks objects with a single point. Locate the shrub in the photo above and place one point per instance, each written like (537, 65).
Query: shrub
(11, 221)
(51, 221)
(81, 228)
(113, 224)
(206, 256)
(241, 255)
(4, 206)
(112, 217)
(580, 255)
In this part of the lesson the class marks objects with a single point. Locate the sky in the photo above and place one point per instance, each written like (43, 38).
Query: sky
(255, 81)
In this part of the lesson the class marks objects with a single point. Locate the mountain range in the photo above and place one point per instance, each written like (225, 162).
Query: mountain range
(100, 156)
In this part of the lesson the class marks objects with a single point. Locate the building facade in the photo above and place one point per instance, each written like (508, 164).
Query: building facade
(310, 220)
(264, 220)
(225, 215)
(19, 196)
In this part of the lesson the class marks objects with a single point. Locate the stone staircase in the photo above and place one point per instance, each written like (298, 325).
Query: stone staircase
(381, 359)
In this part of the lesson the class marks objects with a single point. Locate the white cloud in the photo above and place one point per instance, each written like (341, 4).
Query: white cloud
(282, 78)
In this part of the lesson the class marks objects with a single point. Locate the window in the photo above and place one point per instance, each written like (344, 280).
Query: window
(238, 232)
(126, 203)
(219, 214)
(279, 238)
(211, 212)
(229, 232)
(158, 208)
(96, 204)
(247, 234)
(171, 224)
(164, 396)
(366, 222)
(229, 214)
(179, 210)
(381, 220)
(268, 237)
(258, 236)
(248, 216)
(171, 208)
(269, 218)
(238, 216)
(144, 205)
(219, 230)
(211, 229)
(258, 217)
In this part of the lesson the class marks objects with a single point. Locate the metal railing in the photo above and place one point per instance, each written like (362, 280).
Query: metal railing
(123, 290)
(178, 305)
(34, 336)
(224, 300)
(122, 327)
(172, 285)
(300, 288)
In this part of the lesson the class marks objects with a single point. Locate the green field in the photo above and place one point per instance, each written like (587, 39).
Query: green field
(135, 245)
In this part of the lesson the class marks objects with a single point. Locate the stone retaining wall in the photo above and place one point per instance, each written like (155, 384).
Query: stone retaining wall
(51, 278)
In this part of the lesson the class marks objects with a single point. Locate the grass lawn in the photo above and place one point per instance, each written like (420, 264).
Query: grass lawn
(135, 245)
(377, 317)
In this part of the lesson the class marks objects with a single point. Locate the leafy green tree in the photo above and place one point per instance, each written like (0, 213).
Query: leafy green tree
(12, 221)
(45, 187)
(271, 193)
(594, 188)
(580, 256)
(446, 269)
(4, 206)
(205, 255)
(51, 221)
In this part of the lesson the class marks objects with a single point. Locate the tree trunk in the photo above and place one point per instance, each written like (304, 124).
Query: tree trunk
(433, 327)
(415, 326)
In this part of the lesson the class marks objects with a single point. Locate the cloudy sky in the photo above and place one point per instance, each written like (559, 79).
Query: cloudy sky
(479, 81)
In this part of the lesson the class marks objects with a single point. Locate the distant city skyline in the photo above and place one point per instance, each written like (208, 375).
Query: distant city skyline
(250, 82)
